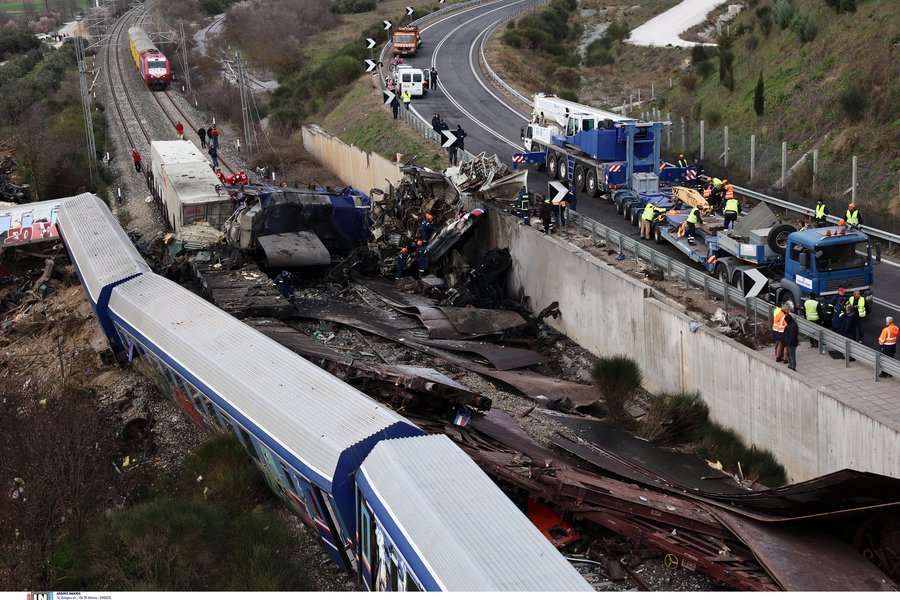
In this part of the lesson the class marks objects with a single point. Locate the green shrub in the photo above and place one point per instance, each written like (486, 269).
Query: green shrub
(617, 31)
(512, 39)
(674, 419)
(804, 27)
(619, 378)
(751, 42)
(698, 54)
(346, 7)
(598, 57)
(567, 94)
(759, 96)
(783, 12)
(705, 68)
(765, 25)
(854, 103)
(713, 118)
(688, 82)
(567, 77)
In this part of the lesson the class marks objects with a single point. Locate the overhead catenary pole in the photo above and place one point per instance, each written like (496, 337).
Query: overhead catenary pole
(184, 60)
(752, 156)
(86, 106)
(702, 140)
(784, 164)
(853, 192)
(245, 105)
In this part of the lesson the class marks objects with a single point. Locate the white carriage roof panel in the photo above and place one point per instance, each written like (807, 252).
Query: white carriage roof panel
(194, 183)
(473, 535)
(309, 411)
(101, 250)
(175, 151)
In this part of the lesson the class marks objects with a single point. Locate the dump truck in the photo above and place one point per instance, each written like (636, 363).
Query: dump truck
(793, 263)
(406, 40)
(597, 150)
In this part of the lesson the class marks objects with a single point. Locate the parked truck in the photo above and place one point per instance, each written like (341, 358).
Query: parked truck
(793, 263)
(597, 150)
(406, 40)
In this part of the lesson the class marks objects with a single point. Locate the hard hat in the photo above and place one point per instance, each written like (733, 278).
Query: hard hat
(852, 205)
(429, 216)
(841, 222)
(403, 250)
(419, 243)
(841, 290)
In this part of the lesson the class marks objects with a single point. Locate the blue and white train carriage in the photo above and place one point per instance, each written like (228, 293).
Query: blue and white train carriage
(307, 429)
(419, 515)
(430, 519)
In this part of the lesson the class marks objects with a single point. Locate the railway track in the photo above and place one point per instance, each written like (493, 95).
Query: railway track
(118, 79)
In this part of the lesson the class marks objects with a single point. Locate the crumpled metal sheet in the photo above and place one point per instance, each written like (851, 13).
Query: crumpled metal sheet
(501, 357)
(547, 390)
(387, 290)
(481, 321)
(802, 557)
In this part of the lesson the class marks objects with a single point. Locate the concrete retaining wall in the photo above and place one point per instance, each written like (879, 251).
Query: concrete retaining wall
(362, 170)
(608, 312)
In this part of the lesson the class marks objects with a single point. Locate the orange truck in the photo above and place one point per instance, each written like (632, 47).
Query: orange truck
(406, 41)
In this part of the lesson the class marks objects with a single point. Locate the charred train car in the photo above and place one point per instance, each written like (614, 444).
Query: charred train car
(404, 510)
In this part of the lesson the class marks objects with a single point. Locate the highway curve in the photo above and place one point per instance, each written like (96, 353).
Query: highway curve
(493, 126)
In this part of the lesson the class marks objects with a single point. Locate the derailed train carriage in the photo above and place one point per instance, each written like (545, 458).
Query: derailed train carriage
(151, 63)
(385, 500)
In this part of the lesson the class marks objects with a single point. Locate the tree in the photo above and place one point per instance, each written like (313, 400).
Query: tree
(759, 98)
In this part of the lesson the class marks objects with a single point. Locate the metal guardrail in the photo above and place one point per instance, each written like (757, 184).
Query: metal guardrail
(484, 61)
(731, 295)
(891, 238)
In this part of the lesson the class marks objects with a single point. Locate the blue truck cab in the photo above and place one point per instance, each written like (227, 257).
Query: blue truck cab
(824, 259)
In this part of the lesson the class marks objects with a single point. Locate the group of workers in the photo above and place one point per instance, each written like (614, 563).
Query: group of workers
(844, 315)
(427, 227)
(550, 210)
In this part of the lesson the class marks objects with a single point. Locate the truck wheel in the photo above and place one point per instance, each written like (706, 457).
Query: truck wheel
(619, 207)
(721, 273)
(562, 168)
(552, 165)
(635, 215)
(579, 178)
(778, 236)
(591, 183)
(738, 281)
(657, 233)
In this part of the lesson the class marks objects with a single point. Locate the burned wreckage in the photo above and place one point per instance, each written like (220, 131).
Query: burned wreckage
(601, 495)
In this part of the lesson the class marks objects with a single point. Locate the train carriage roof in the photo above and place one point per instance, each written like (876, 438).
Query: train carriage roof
(324, 427)
(141, 40)
(100, 250)
(434, 500)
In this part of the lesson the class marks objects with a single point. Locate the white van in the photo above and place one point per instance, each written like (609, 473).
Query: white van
(412, 80)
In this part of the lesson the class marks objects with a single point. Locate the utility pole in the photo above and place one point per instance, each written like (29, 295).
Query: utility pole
(184, 60)
(245, 104)
(86, 104)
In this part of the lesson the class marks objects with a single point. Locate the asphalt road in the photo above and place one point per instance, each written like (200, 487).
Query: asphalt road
(493, 123)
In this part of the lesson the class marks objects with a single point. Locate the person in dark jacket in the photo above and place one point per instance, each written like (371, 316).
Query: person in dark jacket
(790, 341)
(201, 133)
(546, 212)
(395, 106)
(460, 137)
(436, 122)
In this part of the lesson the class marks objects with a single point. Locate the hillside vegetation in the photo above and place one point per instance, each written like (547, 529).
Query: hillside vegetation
(830, 72)
(831, 80)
